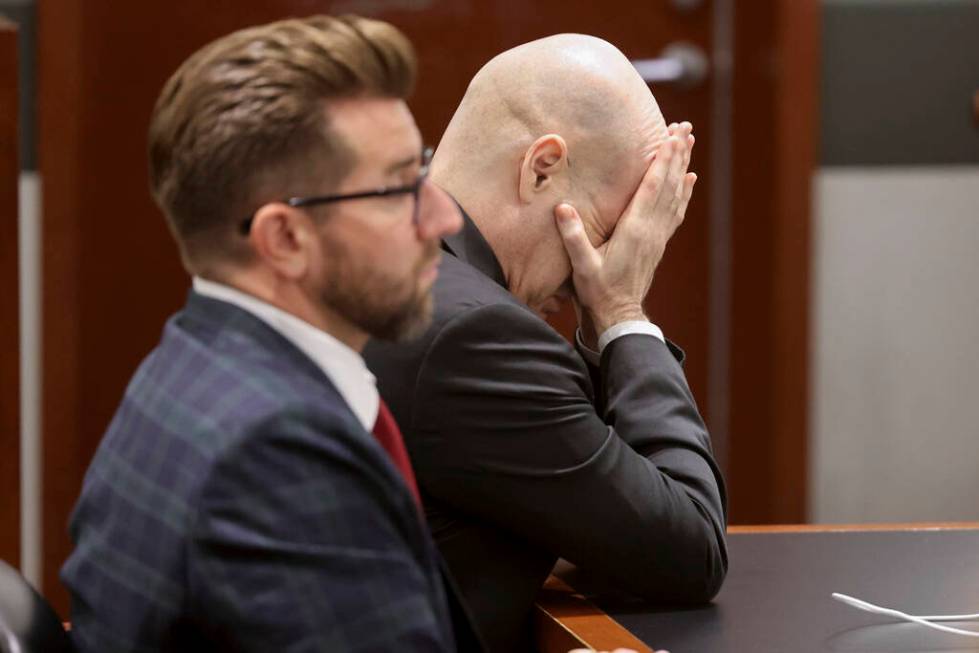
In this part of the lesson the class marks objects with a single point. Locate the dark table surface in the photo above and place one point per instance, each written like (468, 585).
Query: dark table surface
(777, 595)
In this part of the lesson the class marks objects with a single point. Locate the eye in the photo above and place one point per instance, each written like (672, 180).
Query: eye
(395, 201)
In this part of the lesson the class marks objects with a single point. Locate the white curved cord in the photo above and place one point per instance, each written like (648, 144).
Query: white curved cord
(924, 621)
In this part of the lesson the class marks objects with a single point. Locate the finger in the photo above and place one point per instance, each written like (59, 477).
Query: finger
(681, 130)
(685, 128)
(681, 154)
(681, 187)
(690, 142)
(686, 140)
(583, 256)
(652, 182)
(688, 183)
(668, 198)
(688, 153)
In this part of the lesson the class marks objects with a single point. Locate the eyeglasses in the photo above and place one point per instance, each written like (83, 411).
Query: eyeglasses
(414, 188)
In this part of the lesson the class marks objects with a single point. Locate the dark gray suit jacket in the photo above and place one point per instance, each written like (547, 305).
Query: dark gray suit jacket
(525, 453)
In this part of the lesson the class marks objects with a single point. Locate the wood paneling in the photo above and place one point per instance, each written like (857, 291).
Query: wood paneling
(61, 168)
(9, 308)
(775, 131)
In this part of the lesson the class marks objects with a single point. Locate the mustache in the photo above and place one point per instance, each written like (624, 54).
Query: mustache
(432, 254)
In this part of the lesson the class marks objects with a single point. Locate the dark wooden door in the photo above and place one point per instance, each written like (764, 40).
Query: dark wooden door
(9, 309)
(111, 272)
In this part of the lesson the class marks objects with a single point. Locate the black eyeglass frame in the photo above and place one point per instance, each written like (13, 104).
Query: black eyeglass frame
(413, 188)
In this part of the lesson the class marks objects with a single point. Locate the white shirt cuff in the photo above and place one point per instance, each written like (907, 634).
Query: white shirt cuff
(617, 331)
(627, 328)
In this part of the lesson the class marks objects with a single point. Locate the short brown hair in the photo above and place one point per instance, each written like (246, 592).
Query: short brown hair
(243, 122)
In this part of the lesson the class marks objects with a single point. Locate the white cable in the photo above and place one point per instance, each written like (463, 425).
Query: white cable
(857, 603)
(924, 621)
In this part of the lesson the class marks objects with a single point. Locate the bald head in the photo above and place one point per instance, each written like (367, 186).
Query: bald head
(563, 118)
(579, 87)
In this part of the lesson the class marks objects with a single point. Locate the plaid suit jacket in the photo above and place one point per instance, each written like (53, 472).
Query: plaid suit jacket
(236, 503)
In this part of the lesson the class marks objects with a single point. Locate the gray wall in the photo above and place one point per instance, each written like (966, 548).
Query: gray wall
(895, 405)
(22, 13)
(896, 391)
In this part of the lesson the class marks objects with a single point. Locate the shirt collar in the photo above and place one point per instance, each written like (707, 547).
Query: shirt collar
(469, 246)
(341, 364)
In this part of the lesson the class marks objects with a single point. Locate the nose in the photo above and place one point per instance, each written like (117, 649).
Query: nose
(439, 216)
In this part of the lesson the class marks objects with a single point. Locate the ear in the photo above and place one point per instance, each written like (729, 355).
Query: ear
(543, 161)
(283, 237)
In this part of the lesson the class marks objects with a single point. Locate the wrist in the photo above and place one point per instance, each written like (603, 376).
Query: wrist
(602, 321)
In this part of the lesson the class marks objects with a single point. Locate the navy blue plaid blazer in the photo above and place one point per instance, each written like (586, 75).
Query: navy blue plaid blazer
(236, 503)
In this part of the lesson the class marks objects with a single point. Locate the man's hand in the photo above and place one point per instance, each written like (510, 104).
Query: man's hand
(612, 281)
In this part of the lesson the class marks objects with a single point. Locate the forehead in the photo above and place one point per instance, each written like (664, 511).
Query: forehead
(378, 130)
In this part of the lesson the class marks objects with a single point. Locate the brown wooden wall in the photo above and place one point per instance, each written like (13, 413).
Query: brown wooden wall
(9, 309)
(112, 276)
(775, 131)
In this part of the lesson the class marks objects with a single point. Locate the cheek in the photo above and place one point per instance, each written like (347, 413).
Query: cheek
(560, 266)
(363, 264)
(401, 264)
(394, 248)
(552, 263)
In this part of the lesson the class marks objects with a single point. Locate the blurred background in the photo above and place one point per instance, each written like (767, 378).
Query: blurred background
(823, 284)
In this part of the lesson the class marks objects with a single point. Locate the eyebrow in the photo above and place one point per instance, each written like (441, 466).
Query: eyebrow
(403, 163)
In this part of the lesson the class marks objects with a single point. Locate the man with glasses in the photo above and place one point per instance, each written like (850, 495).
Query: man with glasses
(527, 448)
(252, 493)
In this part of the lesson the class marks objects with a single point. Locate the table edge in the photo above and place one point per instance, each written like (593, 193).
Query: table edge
(846, 528)
(564, 619)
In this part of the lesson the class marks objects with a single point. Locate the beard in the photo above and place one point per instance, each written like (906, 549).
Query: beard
(381, 305)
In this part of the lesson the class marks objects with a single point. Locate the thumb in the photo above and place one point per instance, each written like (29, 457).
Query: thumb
(583, 256)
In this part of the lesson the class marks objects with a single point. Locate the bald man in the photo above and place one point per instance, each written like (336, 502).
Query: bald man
(528, 448)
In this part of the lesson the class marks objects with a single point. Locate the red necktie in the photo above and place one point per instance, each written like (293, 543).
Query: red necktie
(389, 435)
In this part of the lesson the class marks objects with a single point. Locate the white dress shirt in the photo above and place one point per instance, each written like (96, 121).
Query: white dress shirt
(613, 332)
(341, 364)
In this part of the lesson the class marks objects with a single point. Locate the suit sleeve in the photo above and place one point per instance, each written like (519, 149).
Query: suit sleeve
(306, 543)
(507, 427)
